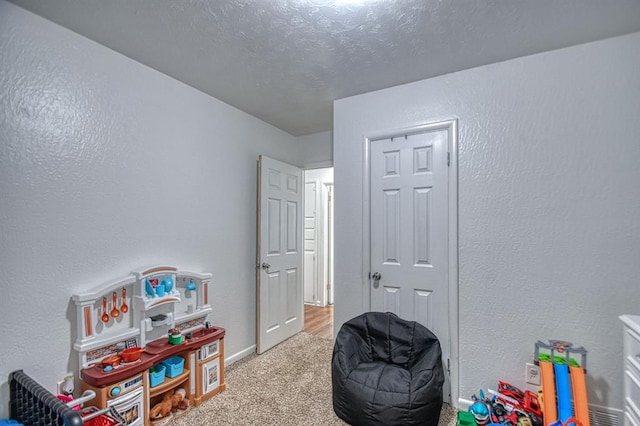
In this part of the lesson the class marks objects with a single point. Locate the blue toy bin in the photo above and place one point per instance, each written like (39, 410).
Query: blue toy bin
(156, 374)
(174, 365)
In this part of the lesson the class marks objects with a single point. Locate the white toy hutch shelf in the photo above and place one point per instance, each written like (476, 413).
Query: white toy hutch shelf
(137, 300)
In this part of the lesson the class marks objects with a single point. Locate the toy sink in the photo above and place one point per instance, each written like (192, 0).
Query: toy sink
(204, 332)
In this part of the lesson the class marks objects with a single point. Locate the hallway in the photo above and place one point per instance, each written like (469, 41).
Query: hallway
(319, 320)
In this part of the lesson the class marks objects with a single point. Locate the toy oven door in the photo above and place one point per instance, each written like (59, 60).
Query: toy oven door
(210, 349)
(210, 376)
(130, 407)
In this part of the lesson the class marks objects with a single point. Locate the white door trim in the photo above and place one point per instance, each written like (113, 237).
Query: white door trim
(452, 127)
(320, 249)
(327, 191)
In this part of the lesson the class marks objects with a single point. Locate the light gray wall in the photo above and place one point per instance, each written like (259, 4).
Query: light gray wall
(549, 204)
(316, 150)
(107, 166)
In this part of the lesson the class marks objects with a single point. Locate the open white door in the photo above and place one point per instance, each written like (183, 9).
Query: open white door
(279, 253)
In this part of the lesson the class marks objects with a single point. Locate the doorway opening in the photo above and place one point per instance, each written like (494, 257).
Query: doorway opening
(318, 252)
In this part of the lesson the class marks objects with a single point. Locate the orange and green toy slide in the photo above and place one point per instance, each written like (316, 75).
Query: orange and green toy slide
(562, 378)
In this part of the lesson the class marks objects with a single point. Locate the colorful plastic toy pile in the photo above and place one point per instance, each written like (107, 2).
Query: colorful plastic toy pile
(508, 405)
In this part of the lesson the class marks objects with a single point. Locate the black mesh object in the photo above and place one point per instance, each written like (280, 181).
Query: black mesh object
(33, 405)
(387, 371)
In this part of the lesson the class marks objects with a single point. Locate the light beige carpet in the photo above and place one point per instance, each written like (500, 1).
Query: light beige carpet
(288, 385)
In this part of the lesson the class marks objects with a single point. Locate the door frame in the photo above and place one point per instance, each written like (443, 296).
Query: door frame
(327, 189)
(452, 128)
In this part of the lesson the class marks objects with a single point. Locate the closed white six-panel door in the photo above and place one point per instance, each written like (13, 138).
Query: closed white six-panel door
(409, 230)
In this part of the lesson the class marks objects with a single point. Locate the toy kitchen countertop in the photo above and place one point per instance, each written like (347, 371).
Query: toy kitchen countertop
(154, 353)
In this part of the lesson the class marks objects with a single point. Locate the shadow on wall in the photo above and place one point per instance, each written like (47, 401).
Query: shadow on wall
(599, 391)
(72, 361)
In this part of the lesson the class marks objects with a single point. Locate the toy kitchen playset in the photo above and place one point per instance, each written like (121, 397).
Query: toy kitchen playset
(146, 347)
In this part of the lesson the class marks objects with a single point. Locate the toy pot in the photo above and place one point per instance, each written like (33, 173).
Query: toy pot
(131, 354)
(175, 337)
(112, 360)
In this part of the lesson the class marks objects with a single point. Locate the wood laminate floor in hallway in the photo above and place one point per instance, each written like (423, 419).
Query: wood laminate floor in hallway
(319, 320)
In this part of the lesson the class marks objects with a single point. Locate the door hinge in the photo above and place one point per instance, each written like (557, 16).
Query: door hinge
(448, 159)
(448, 366)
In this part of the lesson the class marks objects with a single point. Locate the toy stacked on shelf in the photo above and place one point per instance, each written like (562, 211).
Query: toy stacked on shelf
(562, 377)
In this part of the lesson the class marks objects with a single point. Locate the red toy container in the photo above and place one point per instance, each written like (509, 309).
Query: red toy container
(108, 419)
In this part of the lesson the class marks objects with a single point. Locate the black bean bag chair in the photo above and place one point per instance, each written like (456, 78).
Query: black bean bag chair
(387, 371)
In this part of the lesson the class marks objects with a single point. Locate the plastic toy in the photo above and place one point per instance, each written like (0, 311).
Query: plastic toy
(579, 387)
(508, 402)
(531, 403)
(162, 409)
(171, 402)
(167, 283)
(511, 407)
(563, 391)
(562, 376)
(149, 288)
(179, 401)
(480, 412)
(549, 409)
(511, 391)
(466, 418)
(524, 421)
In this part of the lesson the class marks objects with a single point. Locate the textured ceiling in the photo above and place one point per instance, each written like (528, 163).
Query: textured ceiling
(285, 61)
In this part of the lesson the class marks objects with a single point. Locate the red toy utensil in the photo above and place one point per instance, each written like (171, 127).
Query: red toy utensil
(115, 312)
(105, 315)
(124, 308)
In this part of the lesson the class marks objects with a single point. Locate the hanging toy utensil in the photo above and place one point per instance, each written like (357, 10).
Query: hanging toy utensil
(124, 308)
(105, 315)
(115, 312)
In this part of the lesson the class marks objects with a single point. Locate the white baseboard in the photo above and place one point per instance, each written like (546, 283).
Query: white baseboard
(464, 404)
(239, 355)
